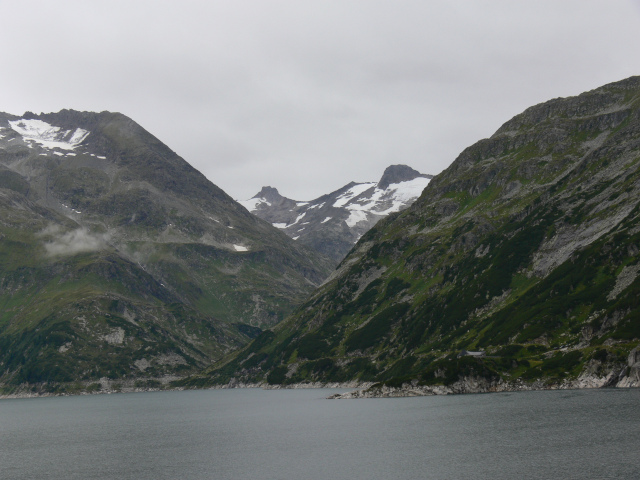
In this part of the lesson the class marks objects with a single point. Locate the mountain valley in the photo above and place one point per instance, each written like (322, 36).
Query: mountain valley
(518, 267)
(515, 268)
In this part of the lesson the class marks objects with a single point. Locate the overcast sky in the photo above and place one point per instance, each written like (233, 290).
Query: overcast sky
(307, 95)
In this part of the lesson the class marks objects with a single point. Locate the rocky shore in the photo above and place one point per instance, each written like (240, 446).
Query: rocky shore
(626, 377)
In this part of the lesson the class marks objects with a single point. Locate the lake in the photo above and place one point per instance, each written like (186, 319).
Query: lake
(297, 434)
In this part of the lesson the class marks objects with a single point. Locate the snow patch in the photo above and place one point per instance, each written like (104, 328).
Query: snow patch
(252, 203)
(78, 136)
(354, 191)
(410, 190)
(295, 238)
(300, 217)
(240, 248)
(326, 220)
(395, 197)
(279, 225)
(355, 217)
(47, 135)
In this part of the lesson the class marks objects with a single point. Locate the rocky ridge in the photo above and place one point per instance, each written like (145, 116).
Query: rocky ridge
(333, 223)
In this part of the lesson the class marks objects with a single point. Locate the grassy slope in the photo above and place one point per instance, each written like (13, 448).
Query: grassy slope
(90, 315)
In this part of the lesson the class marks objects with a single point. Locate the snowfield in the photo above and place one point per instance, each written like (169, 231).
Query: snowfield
(362, 205)
(47, 135)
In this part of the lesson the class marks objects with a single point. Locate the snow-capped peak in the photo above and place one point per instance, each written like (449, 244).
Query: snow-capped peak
(47, 135)
(333, 222)
(383, 201)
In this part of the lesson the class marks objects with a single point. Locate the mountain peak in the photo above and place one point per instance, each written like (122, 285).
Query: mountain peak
(270, 194)
(333, 223)
(397, 174)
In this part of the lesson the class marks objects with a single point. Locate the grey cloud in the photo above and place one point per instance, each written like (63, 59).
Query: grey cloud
(307, 96)
(73, 242)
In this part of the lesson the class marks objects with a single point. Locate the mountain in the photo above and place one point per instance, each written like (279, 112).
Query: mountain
(518, 267)
(119, 260)
(333, 223)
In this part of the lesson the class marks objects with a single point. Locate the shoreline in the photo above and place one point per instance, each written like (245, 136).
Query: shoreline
(627, 376)
(473, 385)
(358, 390)
(228, 386)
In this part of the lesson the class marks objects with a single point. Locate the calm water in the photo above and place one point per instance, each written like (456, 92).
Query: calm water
(296, 434)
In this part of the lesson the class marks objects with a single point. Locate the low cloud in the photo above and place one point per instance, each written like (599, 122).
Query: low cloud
(71, 243)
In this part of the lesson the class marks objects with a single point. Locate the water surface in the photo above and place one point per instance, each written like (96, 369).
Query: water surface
(297, 434)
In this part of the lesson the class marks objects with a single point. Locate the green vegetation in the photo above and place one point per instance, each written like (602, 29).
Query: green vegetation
(373, 332)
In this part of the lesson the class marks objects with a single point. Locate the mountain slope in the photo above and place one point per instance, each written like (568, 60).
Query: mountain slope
(526, 250)
(119, 259)
(333, 223)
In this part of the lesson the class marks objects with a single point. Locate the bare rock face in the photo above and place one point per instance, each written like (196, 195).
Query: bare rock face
(632, 377)
(333, 223)
(399, 174)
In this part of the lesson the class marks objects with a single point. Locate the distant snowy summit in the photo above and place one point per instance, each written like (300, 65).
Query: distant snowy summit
(333, 223)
